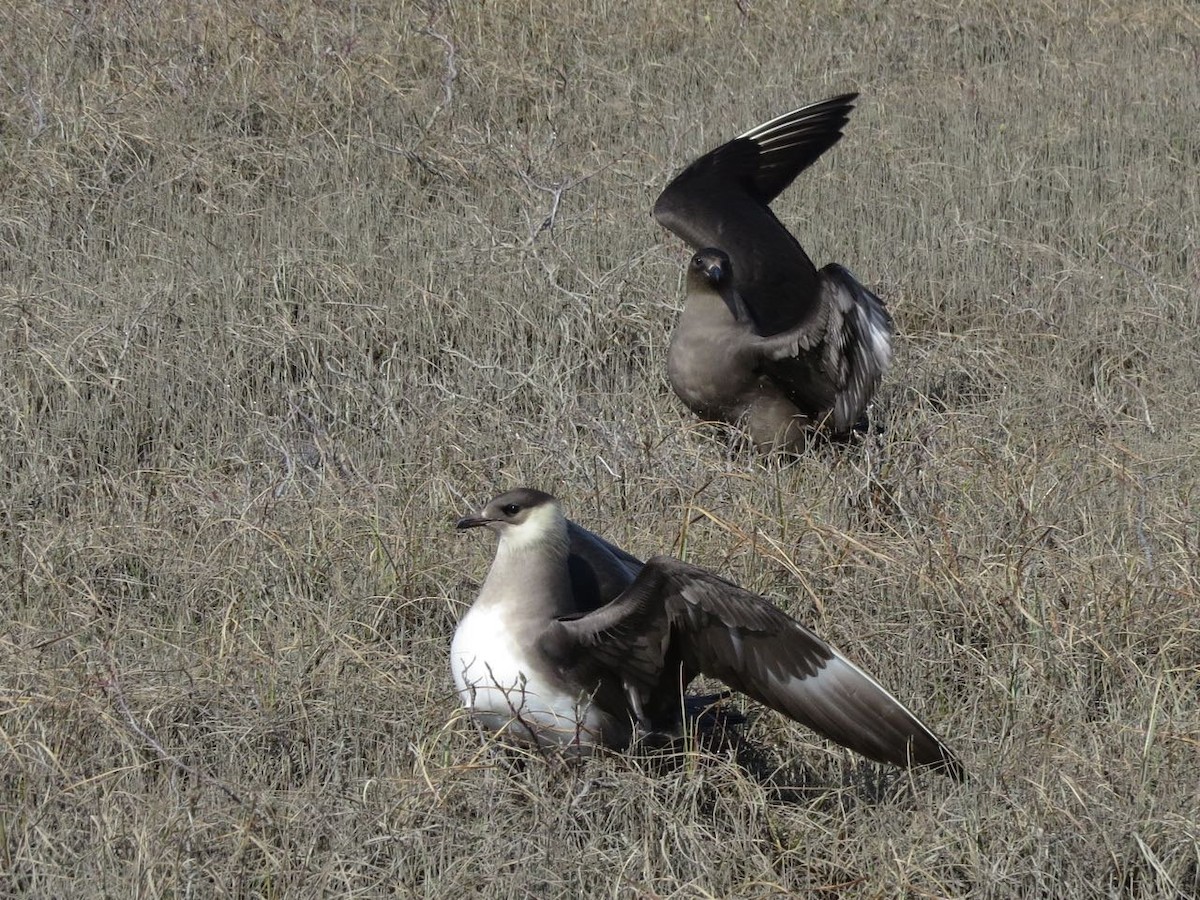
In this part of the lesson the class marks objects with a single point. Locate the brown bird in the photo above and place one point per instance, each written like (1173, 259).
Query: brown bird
(573, 642)
(766, 340)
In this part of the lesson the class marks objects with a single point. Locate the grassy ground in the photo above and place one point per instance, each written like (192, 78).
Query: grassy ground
(284, 292)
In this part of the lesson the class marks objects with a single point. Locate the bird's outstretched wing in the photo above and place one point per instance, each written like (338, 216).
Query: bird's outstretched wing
(678, 616)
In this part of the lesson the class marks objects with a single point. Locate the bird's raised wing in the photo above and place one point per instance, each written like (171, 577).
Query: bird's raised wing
(599, 571)
(675, 614)
(722, 200)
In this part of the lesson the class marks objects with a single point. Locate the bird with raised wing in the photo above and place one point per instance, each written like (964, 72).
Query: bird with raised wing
(572, 642)
(765, 340)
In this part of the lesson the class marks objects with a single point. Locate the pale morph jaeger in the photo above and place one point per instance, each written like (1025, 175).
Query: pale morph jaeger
(573, 642)
(765, 340)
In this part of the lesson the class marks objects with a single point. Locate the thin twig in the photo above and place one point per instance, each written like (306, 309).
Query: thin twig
(556, 191)
(451, 70)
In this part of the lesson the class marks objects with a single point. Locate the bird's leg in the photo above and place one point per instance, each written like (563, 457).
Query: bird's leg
(635, 703)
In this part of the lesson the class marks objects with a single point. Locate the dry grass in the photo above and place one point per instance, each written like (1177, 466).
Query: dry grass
(284, 292)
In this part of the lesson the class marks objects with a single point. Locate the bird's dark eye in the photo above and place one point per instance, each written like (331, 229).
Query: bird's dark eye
(510, 509)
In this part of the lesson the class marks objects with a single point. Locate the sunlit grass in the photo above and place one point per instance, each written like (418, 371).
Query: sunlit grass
(284, 292)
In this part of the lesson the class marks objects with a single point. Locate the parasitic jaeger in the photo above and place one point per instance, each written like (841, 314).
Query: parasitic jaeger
(574, 643)
(765, 340)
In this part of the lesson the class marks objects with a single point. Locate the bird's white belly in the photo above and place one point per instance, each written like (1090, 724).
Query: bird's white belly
(496, 682)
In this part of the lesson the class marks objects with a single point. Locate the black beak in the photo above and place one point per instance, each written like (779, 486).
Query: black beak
(470, 522)
(712, 263)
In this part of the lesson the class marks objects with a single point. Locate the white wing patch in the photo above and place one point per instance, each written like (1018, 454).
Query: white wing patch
(739, 650)
(836, 682)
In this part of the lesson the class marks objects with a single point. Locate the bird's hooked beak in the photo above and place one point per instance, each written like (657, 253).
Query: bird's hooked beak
(714, 271)
(712, 264)
(471, 522)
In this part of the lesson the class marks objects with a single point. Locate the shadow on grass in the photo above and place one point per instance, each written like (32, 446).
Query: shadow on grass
(715, 736)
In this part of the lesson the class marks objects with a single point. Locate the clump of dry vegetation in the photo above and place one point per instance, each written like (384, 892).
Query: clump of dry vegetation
(283, 291)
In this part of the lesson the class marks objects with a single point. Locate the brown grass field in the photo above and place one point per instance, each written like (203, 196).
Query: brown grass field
(283, 292)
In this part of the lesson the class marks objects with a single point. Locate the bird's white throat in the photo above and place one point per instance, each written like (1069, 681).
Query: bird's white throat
(543, 531)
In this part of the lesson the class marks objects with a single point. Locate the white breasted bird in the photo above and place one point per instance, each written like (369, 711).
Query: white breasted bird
(574, 642)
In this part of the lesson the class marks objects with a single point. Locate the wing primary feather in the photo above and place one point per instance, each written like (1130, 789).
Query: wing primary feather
(843, 103)
(674, 610)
